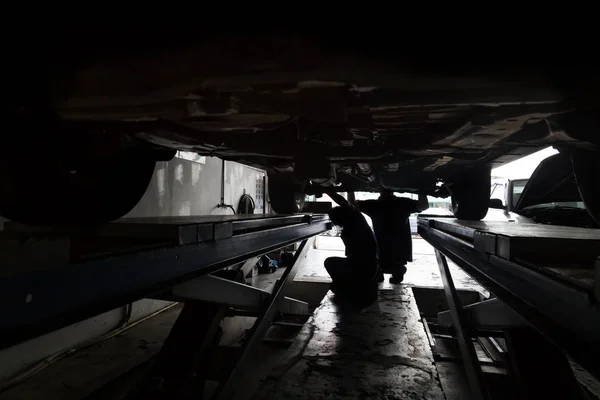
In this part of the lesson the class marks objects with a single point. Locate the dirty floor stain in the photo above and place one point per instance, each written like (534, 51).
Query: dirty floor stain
(380, 352)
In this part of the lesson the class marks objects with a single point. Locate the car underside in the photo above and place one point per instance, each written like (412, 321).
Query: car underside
(317, 117)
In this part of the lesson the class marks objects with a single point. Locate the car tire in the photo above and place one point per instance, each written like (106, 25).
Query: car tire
(586, 168)
(471, 197)
(286, 193)
(43, 191)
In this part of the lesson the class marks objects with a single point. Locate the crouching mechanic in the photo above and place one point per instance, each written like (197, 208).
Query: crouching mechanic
(354, 277)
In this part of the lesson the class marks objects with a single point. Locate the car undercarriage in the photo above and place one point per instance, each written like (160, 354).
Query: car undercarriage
(316, 117)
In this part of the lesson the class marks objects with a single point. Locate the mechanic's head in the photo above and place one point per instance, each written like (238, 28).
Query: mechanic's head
(386, 194)
(339, 216)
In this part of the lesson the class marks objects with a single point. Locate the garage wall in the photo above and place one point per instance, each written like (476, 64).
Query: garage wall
(246, 180)
(186, 185)
(183, 187)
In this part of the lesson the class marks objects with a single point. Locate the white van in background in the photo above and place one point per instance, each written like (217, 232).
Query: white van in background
(507, 190)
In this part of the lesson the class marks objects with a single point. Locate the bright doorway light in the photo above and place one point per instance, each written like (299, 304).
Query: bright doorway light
(523, 167)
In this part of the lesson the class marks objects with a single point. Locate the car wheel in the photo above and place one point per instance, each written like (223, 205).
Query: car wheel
(286, 193)
(471, 196)
(44, 191)
(586, 168)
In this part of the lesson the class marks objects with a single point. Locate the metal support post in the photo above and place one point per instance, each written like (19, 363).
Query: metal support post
(597, 279)
(539, 369)
(179, 369)
(227, 388)
(467, 350)
(178, 249)
(566, 314)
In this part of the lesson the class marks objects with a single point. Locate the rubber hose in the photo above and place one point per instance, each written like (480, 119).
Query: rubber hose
(246, 205)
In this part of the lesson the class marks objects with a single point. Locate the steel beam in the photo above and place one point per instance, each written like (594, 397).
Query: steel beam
(597, 280)
(180, 369)
(562, 313)
(38, 302)
(213, 289)
(227, 387)
(487, 314)
(467, 350)
(540, 370)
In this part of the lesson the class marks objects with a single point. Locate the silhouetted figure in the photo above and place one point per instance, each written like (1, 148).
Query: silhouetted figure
(354, 277)
(392, 229)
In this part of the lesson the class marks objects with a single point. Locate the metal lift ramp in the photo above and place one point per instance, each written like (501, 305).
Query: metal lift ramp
(104, 267)
(541, 277)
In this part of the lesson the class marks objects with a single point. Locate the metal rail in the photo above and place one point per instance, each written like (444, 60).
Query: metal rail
(37, 302)
(467, 350)
(565, 314)
(227, 388)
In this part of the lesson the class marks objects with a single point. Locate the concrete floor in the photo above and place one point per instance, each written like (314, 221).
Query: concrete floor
(379, 352)
(423, 271)
(86, 370)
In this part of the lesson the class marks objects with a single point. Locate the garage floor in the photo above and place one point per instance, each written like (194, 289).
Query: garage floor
(423, 271)
(379, 352)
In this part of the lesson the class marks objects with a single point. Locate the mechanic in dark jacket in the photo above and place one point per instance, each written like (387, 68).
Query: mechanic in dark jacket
(354, 277)
(392, 229)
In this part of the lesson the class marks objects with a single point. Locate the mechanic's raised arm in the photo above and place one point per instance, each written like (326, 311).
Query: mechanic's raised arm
(366, 206)
(339, 199)
(422, 203)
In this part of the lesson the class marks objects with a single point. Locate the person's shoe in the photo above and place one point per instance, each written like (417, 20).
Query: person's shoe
(396, 278)
(380, 277)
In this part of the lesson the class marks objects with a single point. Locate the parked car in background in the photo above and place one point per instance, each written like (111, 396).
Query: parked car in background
(508, 191)
(550, 196)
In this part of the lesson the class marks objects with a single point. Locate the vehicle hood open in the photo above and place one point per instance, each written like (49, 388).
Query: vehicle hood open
(551, 182)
